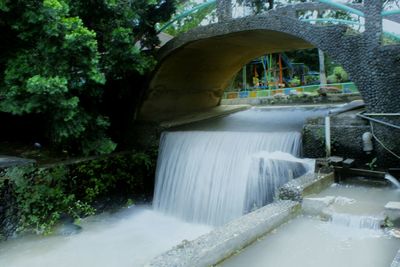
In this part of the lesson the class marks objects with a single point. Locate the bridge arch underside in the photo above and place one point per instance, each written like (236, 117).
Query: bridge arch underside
(195, 77)
(196, 67)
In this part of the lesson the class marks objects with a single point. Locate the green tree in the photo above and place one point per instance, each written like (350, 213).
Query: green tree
(59, 56)
(192, 20)
(258, 6)
(339, 75)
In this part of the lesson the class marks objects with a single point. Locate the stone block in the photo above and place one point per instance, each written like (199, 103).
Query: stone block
(315, 206)
(348, 163)
(392, 210)
(336, 161)
(305, 185)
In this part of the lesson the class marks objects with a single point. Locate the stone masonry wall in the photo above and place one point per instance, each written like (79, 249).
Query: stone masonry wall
(346, 139)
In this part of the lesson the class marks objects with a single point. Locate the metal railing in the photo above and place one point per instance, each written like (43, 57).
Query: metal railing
(334, 4)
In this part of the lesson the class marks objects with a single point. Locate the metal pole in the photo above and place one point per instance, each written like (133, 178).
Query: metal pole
(244, 77)
(390, 12)
(280, 70)
(328, 136)
(186, 13)
(343, 7)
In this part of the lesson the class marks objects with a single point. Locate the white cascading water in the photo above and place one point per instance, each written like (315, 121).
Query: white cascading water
(204, 177)
(269, 171)
(356, 221)
(393, 180)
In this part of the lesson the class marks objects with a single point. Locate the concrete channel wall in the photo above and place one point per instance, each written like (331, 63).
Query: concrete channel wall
(307, 184)
(396, 261)
(224, 241)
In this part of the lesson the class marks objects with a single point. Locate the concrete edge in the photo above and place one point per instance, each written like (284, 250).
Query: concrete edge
(396, 260)
(224, 241)
(307, 184)
(219, 111)
(289, 100)
(11, 161)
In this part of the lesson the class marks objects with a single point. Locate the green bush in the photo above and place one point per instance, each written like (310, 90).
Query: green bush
(41, 198)
(43, 195)
(339, 75)
(123, 174)
(295, 81)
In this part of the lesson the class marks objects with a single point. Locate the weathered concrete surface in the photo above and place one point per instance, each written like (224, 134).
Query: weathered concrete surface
(222, 242)
(305, 185)
(9, 216)
(9, 161)
(195, 76)
(315, 205)
(392, 210)
(396, 260)
(218, 111)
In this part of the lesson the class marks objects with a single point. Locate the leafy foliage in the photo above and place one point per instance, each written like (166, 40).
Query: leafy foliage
(258, 6)
(59, 56)
(339, 75)
(192, 20)
(295, 81)
(41, 198)
(98, 178)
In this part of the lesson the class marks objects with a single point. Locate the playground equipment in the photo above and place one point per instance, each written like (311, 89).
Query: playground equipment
(187, 13)
(271, 71)
(344, 88)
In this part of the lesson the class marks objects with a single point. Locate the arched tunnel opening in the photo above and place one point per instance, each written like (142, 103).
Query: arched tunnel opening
(194, 76)
(289, 76)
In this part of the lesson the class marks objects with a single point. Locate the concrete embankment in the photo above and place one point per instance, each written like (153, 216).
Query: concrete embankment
(222, 242)
(226, 240)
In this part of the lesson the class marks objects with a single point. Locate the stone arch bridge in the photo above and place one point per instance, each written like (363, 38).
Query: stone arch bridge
(195, 68)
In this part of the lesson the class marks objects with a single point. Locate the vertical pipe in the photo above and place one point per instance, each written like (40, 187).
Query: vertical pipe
(270, 68)
(244, 77)
(265, 62)
(322, 73)
(280, 70)
(328, 136)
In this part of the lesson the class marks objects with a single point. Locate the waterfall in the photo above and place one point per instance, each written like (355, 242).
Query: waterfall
(356, 221)
(204, 177)
(269, 171)
(393, 180)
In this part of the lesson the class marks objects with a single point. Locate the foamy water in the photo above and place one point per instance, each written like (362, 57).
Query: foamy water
(130, 238)
(202, 176)
(309, 242)
(212, 172)
(361, 200)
